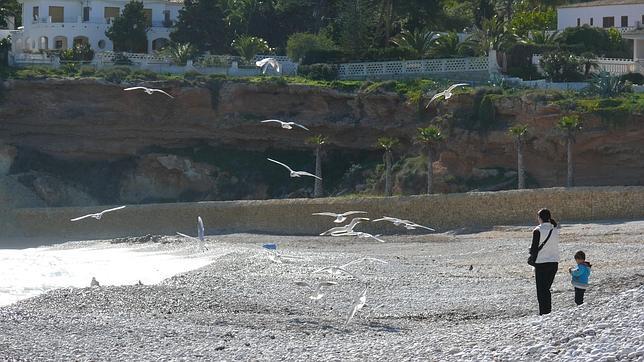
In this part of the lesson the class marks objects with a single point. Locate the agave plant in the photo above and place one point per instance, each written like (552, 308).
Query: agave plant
(606, 85)
(419, 40)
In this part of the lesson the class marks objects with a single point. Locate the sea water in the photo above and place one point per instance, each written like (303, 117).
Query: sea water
(28, 272)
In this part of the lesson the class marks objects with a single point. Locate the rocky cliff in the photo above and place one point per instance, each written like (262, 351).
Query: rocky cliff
(114, 146)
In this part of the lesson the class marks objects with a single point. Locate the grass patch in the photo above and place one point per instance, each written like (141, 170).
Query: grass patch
(614, 112)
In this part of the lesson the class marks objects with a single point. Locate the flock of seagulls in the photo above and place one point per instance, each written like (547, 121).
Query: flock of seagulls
(317, 290)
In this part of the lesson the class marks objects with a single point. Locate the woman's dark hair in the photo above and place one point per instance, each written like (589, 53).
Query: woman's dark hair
(544, 215)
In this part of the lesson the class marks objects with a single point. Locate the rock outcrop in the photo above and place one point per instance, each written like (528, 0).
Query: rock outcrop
(91, 121)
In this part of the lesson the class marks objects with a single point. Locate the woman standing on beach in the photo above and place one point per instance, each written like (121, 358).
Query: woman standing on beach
(544, 256)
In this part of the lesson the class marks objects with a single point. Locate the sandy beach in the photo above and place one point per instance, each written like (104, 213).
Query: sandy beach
(460, 295)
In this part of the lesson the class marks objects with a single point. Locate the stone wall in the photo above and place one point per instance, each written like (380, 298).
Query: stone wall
(443, 212)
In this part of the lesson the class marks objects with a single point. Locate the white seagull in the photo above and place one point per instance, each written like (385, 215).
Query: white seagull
(339, 218)
(360, 235)
(285, 125)
(94, 283)
(294, 173)
(317, 293)
(200, 229)
(335, 270)
(358, 303)
(405, 223)
(447, 93)
(98, 215)
(266, 62)
(348, 228)
(148, 90)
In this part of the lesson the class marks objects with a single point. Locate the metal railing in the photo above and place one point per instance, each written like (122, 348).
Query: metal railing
(412, 67)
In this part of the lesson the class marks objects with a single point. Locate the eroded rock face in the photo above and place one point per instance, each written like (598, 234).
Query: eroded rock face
(54, 191)
(160, 177)
(90, 120)
(7, 155)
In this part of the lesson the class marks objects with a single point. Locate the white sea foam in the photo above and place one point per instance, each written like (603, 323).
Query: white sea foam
(28, 272)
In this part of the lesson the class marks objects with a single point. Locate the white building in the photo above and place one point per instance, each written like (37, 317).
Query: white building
(602, 13)
(60, 24)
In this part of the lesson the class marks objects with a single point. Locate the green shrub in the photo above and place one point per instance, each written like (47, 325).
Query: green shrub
(562, 67)
(87, 71)
(141, 75)
(70, 69)
(334, 56)
(526, 72)
(191, 75)
(318, 71)
(605, 43)
(80, 52)
(248, 46)
(114, 74)
(299, 44)
(38, 72)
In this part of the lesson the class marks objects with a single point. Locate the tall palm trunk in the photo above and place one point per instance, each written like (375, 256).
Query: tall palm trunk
(388, 173)
(570, 176)
(317, 190)
(520, 169)
(430, 170)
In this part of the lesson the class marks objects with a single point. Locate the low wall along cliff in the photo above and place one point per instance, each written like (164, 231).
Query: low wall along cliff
(443, 212)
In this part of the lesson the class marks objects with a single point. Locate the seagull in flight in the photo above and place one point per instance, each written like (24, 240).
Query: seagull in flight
(98, 215)
(358, 303)
(360, 235)
(348, 228)
(200, 229)
(148, 90)
(285, 125)
(339, 218)
(269, 62)
(447, 93)
(405, 223)
(317, 290)
(294, 173)
(335, 270)
(362, 260)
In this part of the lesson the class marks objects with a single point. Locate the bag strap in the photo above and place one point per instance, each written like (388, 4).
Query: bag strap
(545, 241)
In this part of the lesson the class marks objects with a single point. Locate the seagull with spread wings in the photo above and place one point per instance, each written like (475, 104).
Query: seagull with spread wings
(348, 228)
(339, 218)
(358, 303)
(409, 225)
(294, 173)
(285, 125)
(447, 93)
(98, 215)
(269, 62)
(317, 293)
(148, 90)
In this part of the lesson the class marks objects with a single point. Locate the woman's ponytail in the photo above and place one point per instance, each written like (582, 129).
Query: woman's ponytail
(545, 216)
(553, 222)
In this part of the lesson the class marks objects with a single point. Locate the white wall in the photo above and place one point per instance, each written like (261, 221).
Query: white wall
(567, 17)
(94, 29)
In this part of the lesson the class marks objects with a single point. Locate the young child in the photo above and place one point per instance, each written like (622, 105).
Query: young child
(580, 275)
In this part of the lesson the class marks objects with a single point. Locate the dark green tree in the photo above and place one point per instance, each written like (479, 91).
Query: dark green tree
(129, 31)
(201, 23)
(10, 8)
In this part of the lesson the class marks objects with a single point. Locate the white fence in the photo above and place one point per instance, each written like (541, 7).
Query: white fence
(410, 68)
(612, 65)
(226, 65)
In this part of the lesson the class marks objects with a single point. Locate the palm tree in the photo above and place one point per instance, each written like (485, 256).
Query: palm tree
(569, 125)
(179, 53)
(388, 143)
(519, 131)
(449, 45)
(542, 37)
(418, 40)
(429, 136)
(495, 34)
(318, 141)
(248, 46)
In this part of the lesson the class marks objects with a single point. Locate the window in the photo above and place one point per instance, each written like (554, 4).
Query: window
(111, 12)
(624, 21)
(591, 21)
(148, 16)
(86, 13)
(59, 44)
(57, 14)
(578, 22)
(36, 13)
(608, 21)
(101, 44)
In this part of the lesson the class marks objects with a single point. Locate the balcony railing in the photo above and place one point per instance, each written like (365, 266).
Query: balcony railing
(101, 21)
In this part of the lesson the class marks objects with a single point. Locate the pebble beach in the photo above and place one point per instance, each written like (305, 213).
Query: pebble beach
(460, 295)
